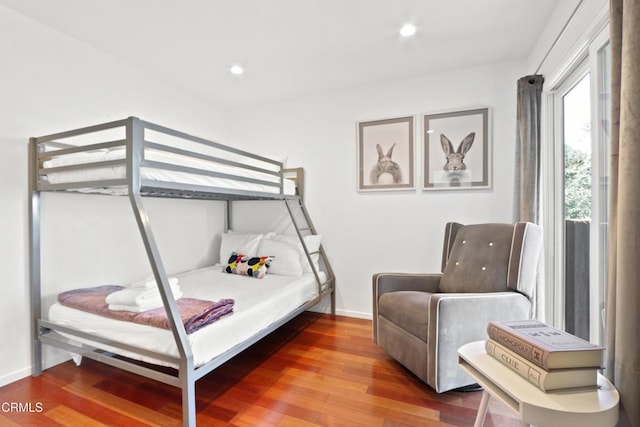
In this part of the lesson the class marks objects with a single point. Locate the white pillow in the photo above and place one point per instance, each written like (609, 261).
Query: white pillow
(242, 243)
(286, 259)
(313, 245)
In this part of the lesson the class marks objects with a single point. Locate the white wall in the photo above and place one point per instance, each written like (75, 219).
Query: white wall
(49, 83)
(365, 233)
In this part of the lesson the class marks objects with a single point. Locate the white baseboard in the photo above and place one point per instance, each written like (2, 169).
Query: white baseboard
(356, 314)
(49, 362)
(348, 313)
(15, 376)
(324, 306)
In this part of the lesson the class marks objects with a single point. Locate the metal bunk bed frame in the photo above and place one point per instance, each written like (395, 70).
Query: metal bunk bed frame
(45, 147)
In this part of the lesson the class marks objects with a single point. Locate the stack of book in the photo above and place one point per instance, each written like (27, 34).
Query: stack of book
(547, 357)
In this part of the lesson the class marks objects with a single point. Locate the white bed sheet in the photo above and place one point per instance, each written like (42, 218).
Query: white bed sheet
(119, 172)
(258, 303)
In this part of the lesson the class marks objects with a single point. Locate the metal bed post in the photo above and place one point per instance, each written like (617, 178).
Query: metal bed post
(135, 155)
(34, 258)
(227, 215)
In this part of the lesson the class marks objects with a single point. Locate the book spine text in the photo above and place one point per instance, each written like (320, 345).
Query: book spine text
(518, 345)
(518, 365)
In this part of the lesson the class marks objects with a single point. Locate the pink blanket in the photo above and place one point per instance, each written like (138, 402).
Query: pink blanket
(195, 313)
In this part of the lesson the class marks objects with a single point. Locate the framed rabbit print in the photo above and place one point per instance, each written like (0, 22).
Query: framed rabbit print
(457, 150)
(385, 153)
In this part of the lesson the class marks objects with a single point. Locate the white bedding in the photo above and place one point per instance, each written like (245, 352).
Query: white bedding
(148, 173)
(258, 303)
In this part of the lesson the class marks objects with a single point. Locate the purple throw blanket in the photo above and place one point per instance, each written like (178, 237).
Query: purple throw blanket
(195, 313)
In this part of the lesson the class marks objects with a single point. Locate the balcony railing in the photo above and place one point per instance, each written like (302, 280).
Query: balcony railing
(577, 277)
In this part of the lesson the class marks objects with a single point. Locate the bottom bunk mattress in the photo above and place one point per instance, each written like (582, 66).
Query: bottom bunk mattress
(258, 304)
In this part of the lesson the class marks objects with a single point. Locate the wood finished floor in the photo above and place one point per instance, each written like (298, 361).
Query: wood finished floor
(318, 370)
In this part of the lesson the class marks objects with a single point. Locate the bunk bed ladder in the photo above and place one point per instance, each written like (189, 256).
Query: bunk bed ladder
(304, 227)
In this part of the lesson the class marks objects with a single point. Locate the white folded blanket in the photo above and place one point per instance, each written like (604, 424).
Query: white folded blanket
(137, 308)
(150, 283)
(141, 296)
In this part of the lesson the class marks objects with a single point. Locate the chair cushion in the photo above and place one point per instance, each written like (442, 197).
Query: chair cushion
(479, 259)
(409, 310)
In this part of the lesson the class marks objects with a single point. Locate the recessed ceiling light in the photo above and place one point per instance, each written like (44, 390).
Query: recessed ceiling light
(407, 30)
(430, 131)
(236, 69)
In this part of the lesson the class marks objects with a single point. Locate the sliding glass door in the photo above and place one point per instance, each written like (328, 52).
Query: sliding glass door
(578, 194)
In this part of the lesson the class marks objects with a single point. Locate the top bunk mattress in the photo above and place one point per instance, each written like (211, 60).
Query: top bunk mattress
(164, 162)
(241, 179)
(258, 304)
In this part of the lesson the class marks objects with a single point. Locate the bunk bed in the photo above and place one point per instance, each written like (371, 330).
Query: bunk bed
(136, 159)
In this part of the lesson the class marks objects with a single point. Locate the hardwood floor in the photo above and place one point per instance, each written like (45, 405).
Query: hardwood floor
(317, 370)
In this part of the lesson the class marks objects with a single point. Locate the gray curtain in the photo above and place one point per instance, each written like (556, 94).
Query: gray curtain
(527, 174)
(527, 188)
(623, 281)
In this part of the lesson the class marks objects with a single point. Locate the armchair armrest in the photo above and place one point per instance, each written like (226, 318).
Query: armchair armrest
(392, 282)
(456, 319)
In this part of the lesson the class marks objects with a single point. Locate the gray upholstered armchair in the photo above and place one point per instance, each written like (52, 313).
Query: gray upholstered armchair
(488, 273)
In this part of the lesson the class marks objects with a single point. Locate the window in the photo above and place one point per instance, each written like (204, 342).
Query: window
(576, 193)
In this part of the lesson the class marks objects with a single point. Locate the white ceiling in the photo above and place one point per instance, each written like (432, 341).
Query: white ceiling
(291, 48)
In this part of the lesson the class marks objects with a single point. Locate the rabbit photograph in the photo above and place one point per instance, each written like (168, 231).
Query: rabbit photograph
(455, 169)
(385, 171)
(456, 150)
(385, 154)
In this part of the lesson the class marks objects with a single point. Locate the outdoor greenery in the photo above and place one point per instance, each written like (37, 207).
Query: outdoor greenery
(577, 175)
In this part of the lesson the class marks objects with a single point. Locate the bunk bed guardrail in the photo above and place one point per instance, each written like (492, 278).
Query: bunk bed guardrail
(158, 149)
